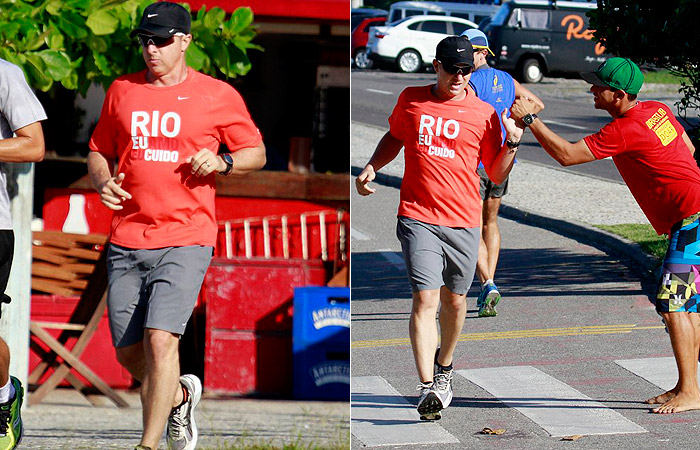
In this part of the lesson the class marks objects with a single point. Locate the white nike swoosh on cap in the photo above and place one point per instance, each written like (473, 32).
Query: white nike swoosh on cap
(461, 49)
(171, 30)
(151, 15)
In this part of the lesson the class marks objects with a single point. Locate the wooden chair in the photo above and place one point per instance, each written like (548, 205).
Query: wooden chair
(69, 255)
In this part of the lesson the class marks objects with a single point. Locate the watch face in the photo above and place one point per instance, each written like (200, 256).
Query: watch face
(528, 119)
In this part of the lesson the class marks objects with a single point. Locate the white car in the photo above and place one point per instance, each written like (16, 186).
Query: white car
(410, 43)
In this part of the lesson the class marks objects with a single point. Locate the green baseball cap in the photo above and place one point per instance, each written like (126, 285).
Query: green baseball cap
(617, 73)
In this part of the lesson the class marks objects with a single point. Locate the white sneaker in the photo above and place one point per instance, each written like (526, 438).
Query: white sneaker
(443, 387)
(182, 429)
(429, 404)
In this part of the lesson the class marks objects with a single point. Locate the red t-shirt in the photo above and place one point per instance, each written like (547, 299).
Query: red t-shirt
(444, 141)
(647, 147)
(152, 131)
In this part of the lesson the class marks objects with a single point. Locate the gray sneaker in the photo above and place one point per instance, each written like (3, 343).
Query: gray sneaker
(429, 404)
(442, 385)
(182, 430)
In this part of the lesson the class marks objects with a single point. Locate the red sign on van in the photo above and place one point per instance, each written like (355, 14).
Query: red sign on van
(575, 30)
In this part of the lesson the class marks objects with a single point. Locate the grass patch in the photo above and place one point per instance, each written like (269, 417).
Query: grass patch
(642, 234)
(662, 76)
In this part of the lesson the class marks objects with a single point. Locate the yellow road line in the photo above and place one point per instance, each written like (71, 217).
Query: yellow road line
(517, 334)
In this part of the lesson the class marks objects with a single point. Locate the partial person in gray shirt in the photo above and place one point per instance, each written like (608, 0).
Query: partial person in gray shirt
(22, 140)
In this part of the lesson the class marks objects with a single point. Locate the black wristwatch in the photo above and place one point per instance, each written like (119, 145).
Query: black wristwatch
(228, 159)
(529, 118)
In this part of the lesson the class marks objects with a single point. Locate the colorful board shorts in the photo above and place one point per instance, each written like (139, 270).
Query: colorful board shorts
(680, 273)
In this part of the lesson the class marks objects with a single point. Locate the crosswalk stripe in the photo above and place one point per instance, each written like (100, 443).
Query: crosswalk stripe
(354, 234)
(661, 372)
(381, 416)
(556, 407)
(396, 260)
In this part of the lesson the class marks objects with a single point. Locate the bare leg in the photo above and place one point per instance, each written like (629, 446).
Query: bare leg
(491, 235)
(423, 331)
(482, 260)
(155, 362)
(4, 363)
(668, 395)
(161, 384)
(683, 330)
(453, 308)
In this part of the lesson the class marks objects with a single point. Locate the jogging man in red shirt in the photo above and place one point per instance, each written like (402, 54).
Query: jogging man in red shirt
(445, 131)
(655, 158)
(164, 126)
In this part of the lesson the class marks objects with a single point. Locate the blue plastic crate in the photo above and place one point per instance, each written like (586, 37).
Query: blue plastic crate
(322, 372)
(321, 315)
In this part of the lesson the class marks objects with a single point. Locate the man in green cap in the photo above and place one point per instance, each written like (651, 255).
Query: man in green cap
(655, 158)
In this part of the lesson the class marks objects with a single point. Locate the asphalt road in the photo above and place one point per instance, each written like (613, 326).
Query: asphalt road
(570, 313)
(568, 110)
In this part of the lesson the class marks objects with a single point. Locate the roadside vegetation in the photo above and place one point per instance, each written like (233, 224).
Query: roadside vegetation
(642, 234)
(663, 76)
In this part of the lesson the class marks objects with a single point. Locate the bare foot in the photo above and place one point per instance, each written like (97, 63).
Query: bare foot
(663, 398)
(679, 403)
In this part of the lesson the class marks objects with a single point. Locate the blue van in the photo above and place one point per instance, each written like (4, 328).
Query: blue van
(533, 38)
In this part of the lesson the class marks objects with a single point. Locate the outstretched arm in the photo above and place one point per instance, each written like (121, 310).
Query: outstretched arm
(386, 151)
(564, 152)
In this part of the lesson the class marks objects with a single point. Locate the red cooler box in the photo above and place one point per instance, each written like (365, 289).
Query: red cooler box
(249, 309)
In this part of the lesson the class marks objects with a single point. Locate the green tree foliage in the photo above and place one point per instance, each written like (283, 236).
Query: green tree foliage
(663, 35)
(80, 42)
(64, 46)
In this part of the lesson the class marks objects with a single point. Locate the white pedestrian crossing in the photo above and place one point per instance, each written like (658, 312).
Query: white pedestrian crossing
(661, 372)
(382, 417)
(555, 406)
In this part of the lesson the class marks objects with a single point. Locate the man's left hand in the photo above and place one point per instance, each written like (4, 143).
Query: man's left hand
(206, 162)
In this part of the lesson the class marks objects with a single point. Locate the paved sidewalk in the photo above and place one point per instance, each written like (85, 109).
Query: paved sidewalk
(67, 421)
(550, 198)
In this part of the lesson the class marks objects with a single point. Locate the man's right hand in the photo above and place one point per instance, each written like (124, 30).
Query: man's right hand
(363, 179)
(112, 194)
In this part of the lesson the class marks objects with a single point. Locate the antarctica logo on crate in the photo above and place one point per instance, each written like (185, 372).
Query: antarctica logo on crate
(330, 372)
(327, 317)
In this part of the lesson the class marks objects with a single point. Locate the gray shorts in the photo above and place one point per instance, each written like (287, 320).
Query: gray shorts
(489, 189)
(153, 289)
(436, 255)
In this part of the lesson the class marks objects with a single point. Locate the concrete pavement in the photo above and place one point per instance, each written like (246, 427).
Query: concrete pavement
(65, 420)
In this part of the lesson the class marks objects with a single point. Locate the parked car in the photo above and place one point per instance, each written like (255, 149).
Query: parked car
(358, 41)
(476, 12)
(410, 43)
(532, 38)
(357, 15)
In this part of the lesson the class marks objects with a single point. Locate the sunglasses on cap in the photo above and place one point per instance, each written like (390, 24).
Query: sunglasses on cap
(156, 40)
(454, 70)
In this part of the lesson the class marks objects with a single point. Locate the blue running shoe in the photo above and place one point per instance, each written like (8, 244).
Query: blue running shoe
(489, 299)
